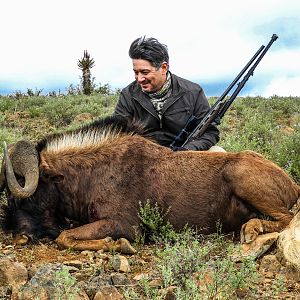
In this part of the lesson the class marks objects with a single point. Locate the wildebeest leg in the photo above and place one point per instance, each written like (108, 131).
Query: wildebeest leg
(94, 236)
(254, 227)
(265, 187)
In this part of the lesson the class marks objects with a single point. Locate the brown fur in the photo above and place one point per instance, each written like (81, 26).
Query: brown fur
(103, 184)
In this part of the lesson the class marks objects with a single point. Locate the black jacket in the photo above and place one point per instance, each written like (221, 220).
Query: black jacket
(187, 99)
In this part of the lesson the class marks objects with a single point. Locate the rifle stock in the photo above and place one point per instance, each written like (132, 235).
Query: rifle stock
(222, 104)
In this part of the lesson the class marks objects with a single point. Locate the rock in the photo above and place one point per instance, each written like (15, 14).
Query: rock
(120, 263)
(92, 285)
(99, 254)
(51, 281)
(269, 266)
(119, 279)
(108, 293)
(289, 242)
(89, 254)
(82, 118)
(140, 276)
(12, 274)
(290, 273)
(74, 263)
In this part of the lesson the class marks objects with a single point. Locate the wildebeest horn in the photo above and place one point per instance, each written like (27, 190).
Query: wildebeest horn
(22, 160)
(2, 177)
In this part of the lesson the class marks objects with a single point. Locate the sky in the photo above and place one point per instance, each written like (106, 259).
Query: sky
(209, 42)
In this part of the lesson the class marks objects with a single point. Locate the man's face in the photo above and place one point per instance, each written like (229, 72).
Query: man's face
(148, 77)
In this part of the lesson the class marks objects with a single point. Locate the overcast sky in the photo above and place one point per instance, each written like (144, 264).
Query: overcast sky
(209, 42)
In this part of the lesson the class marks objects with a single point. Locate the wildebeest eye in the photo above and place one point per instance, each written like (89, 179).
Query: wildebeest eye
(48, 175)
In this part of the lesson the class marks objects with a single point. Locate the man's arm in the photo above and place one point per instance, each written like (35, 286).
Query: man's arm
(123, 108)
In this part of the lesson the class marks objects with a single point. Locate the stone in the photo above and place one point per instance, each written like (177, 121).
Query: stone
(89, 254)
(289, 243)
(269, 266)
(51, 281)
(140, 276)
(74, 263)
(12, 274)
(119, 279)
(92, 285)
(83, 118)
(108, 293)
(120, 263)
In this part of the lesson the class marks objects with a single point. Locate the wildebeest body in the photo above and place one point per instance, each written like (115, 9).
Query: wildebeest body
(101, 184)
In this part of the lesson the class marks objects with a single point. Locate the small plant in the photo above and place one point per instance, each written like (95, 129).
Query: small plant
(229, 277)
(65, 284)
(154, 225)
(103, 89)
(35, 93)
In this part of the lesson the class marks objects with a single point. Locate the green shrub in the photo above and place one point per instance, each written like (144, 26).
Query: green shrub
(65, 284)
(154, 224)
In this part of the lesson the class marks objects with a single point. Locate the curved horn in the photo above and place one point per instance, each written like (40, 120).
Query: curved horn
(2, 177)
(23, 160)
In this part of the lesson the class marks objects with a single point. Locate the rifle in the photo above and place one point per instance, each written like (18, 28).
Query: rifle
(195, 127)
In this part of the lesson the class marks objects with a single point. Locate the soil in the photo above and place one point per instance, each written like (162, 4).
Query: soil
(34, 256)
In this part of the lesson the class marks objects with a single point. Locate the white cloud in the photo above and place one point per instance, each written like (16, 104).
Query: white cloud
(43, 40)
(283, 86)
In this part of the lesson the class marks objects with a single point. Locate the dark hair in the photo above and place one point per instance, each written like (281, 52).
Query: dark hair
(149, 49)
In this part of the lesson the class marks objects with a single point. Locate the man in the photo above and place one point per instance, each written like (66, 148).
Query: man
(163, 101)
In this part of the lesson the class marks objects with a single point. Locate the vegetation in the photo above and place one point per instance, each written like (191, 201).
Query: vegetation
(193, 266)
(85, 64)
(270, 126)
(65, 284)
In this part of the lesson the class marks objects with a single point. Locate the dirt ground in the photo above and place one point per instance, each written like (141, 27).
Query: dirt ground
(34, 256)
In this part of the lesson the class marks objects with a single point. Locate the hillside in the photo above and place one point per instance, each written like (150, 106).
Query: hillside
(182, 266)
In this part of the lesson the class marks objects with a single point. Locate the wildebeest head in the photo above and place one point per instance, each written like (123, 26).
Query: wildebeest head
(31, 192)
(25, 214)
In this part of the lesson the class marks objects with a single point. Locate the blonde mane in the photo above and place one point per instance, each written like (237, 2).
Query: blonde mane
(83, 139)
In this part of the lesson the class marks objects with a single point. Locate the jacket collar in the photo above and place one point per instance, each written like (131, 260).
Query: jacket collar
(145, 101)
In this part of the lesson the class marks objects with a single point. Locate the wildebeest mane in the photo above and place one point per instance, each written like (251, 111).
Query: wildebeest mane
(91, 133)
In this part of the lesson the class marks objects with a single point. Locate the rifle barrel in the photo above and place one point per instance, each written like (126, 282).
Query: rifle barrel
(245, 79)
(220, 106)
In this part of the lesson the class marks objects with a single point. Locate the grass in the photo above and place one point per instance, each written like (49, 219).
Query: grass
(65, 284)
(270, 126)
(197, 267)
(194, 266)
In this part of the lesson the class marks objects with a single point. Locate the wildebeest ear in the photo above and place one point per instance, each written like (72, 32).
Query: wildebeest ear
(49, 175)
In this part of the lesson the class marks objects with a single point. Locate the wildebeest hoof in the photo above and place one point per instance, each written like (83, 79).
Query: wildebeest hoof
(251, 230)
(125, 246)
(259, 246)
(21, 239)
(108, 239)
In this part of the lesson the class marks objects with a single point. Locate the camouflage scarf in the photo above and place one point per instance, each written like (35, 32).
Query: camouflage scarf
(160, 97)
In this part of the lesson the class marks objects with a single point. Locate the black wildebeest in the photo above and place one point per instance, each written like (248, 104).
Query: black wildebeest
(97, 175)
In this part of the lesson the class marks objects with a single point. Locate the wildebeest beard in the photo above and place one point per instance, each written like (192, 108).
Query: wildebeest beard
(34, 216)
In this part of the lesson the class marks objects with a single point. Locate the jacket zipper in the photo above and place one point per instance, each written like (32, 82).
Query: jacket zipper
(150, 112)
(156, 116)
